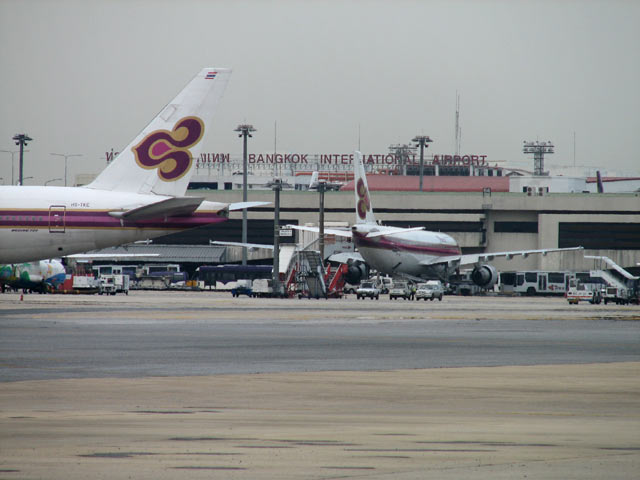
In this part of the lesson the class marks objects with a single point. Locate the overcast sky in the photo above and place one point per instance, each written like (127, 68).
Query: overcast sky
(86, 76)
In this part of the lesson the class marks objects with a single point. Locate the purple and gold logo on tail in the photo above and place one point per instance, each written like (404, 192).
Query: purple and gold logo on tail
(168, 151)
(364, 204)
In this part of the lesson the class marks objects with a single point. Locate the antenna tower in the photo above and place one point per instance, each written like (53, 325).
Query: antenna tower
(538, 149)
(458, 130)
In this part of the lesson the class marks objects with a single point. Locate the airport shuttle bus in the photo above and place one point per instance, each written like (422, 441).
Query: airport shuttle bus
(535, 282)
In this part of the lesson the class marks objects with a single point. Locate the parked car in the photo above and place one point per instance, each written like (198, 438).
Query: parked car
(400, 290)
(349, 288)
(368, 289)
(430, 290)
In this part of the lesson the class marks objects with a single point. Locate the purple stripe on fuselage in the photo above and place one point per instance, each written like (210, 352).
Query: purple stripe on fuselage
(386, 243)
(93, 219)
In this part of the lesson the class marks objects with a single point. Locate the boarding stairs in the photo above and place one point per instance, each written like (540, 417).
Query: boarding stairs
(306, 275)
(311, 274)
(335, 280)
(615, 275)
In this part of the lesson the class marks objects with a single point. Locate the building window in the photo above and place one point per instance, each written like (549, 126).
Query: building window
(599, 236)
(515, 227)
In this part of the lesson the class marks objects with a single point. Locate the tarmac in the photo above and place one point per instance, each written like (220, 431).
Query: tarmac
(541, 421)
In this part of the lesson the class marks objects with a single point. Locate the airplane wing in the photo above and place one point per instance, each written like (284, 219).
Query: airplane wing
(327, 231)
(347, 233)
(345, 257)
(394, 231)
(243, 205)
(240, 244)
(112, 255)
(474, 258)
(170, 207)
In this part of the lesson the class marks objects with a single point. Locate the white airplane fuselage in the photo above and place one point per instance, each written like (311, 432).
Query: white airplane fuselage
(407, 252)
(43, 222)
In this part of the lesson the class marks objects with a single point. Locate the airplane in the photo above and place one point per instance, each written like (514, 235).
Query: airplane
(414, 253)
(139, 195)
(40, 276)
(314, 183)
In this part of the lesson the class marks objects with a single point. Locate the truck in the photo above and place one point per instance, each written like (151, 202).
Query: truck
(84, 284)
(262, 287)
(243, 287)
(385, 284)
(430, 290)
(617, 295)
(107, 285)
(114, 283)
(579, 292)
(368, 289)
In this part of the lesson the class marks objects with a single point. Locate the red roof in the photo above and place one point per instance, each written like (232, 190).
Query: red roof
(432, 183)
(611, 179)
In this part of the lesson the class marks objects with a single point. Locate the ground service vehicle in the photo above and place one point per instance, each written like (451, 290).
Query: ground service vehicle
(349, 288)
(580, 293)
(619, 296)
(262, 287)
(107, 285)
(430, 290)
(535, 282)
(386, 283)
(400, 290)
(243, 287)
(368, 289)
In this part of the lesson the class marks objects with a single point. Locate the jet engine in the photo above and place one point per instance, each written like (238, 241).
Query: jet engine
(484, 276)
(357, 271)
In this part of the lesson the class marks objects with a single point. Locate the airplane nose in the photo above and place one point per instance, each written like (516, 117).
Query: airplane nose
(447, 240)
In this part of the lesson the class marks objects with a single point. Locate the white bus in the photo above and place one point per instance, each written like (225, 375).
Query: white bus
(535, 282)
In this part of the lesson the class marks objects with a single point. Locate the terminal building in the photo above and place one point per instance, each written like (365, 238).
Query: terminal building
(604, 224)
(485, 207)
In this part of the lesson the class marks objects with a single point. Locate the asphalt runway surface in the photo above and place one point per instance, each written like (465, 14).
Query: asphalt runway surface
(185, 385)
(204, 333)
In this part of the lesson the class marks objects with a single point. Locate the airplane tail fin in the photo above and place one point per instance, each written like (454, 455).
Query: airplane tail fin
(160, 159)
(364, 208)
(313, 183)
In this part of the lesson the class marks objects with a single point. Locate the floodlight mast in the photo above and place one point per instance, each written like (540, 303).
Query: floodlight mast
(244, 132)
(277, 187)
(422, 141)
(22, 140)
(539, 149)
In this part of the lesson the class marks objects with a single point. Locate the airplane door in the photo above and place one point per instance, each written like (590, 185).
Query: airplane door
(57, 218)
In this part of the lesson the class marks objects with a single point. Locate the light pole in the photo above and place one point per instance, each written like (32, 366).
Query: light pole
(422, 141)
(321, 190)
(12, 152)
(52, 180)
(21, 139)
(66, 156)
(277, 186)
(244, 131)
